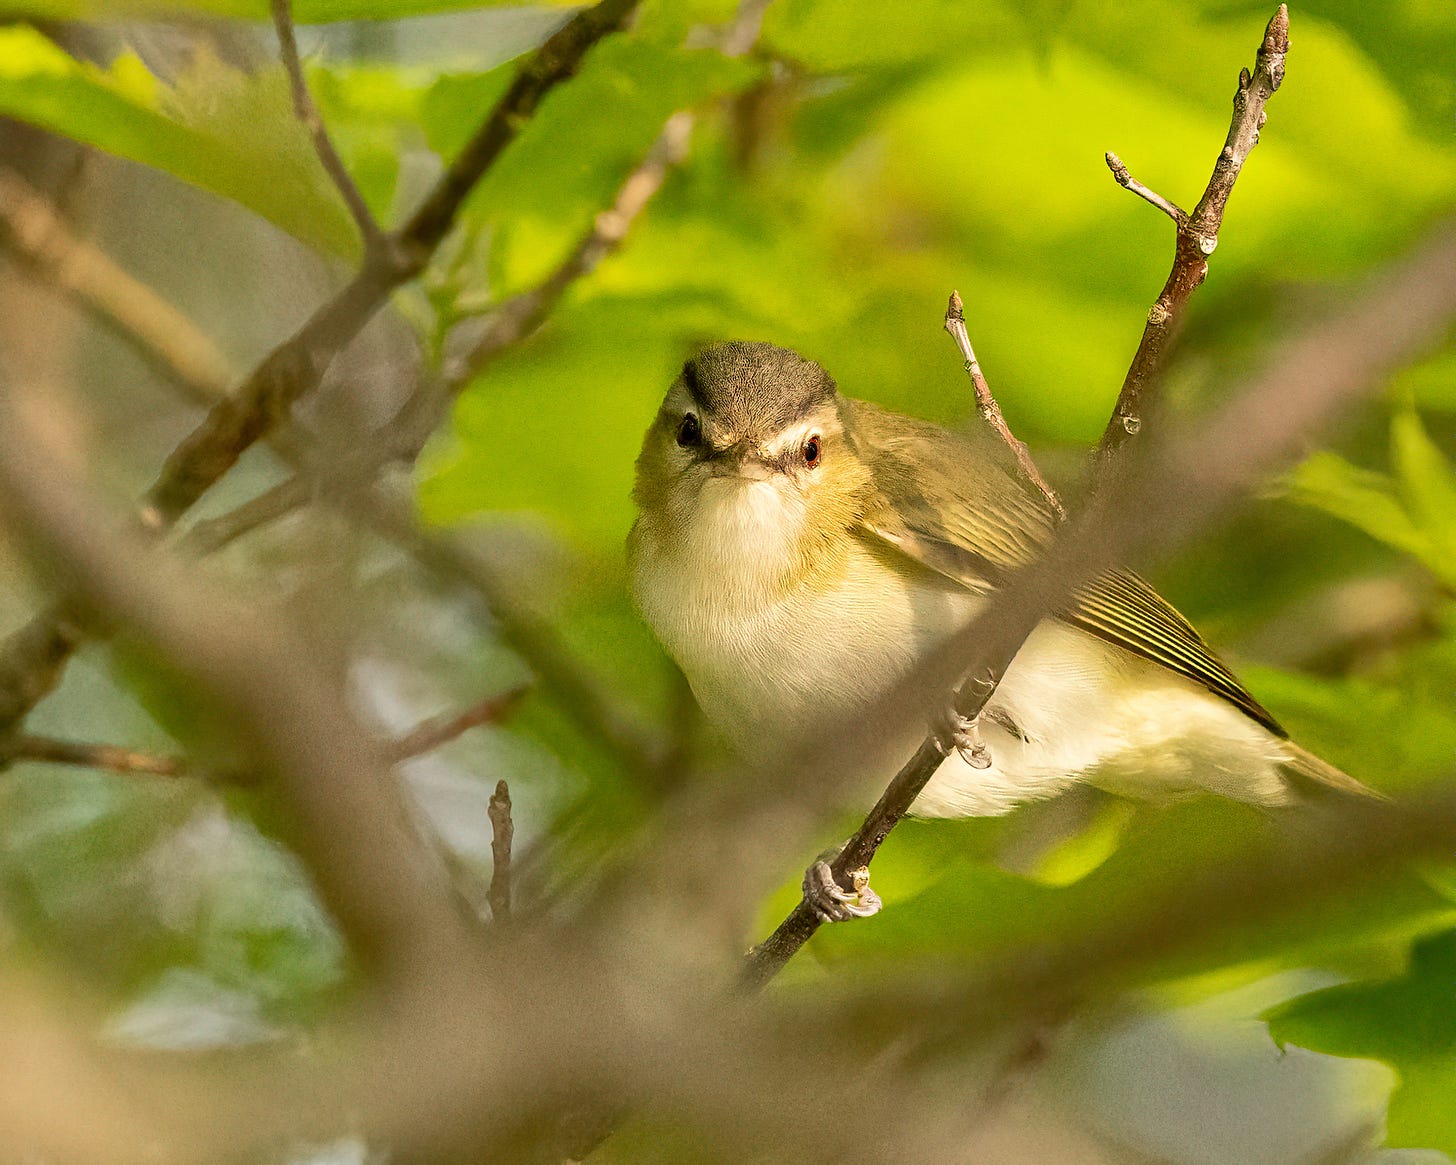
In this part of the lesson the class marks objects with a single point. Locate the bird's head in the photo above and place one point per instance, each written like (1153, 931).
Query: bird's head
(752, 435)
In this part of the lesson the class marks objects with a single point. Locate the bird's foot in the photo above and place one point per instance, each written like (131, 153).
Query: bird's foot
(830, 902)
(963, 734)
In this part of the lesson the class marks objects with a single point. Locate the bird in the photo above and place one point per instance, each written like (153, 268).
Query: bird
(796, 551)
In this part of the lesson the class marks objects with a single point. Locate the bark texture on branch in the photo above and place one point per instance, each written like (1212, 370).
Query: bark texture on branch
(1197, 232)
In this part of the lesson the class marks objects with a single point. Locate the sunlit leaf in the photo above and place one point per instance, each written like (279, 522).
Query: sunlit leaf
(1409, 1022)
(975, 912)
(569, 161)
(1427, 480)
(220, 129)
(1361, 497)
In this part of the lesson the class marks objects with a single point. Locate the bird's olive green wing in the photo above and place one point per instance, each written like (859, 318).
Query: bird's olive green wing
(954, 504)
(1123, 609)
(944, 499)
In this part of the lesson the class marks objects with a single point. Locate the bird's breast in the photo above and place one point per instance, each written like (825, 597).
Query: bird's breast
(771, 650)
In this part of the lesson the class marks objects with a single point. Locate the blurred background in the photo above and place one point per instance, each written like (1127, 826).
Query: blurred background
(836, 182)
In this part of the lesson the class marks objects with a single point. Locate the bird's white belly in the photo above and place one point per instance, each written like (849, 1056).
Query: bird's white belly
(770, 664)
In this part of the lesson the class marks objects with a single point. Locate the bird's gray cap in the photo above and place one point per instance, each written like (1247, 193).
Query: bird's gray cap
(756, 387)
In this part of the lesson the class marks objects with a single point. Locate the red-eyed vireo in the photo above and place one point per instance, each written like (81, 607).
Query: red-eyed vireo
(797, 551)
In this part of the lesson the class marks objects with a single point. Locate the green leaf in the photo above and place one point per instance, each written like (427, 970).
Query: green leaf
(856, 34)
(1430, 384)
(219, 129)
(1415, 511)
(1428, 484)
(1392, 729)
(1408, 1022)
(571, 158)
(1365, 499)
(455, 104)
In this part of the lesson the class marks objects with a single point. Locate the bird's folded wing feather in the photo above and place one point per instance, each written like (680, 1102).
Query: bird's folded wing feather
(964, 515)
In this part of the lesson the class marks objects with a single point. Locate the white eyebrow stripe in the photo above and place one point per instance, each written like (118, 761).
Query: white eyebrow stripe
(792, 438)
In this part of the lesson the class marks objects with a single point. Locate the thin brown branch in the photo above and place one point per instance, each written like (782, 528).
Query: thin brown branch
(35, 657)
(160, 334)
(502, 834)
(323, 145)
(1197, 237)
(1174, 488)
(211, 534)
(110, 757)
(955, 324)
(431, 734)
(1197, 232)
(1128, 182)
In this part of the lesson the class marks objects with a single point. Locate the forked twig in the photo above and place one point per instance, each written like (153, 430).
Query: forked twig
(1197, 232)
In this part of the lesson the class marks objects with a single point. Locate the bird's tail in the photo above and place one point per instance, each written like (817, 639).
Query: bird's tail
(1309, 769)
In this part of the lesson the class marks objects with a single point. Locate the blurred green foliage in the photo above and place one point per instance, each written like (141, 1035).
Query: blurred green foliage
(869, 158)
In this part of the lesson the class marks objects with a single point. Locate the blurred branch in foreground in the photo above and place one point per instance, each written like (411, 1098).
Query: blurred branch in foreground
(165, 339)
(480, 1055)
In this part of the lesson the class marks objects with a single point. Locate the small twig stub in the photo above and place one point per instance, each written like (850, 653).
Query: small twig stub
(955, 324)
(503, 832)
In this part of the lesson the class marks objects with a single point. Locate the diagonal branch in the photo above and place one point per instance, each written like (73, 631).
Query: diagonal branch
(431, 734)
(997, 649)
(955, 324)
(48, 750)
(1197, 232)
(313, 122)
(1157, 500)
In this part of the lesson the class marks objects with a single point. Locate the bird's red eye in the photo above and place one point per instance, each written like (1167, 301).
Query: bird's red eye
(812, 451)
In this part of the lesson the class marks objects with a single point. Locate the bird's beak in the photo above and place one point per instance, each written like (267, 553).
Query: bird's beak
(742, 461)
